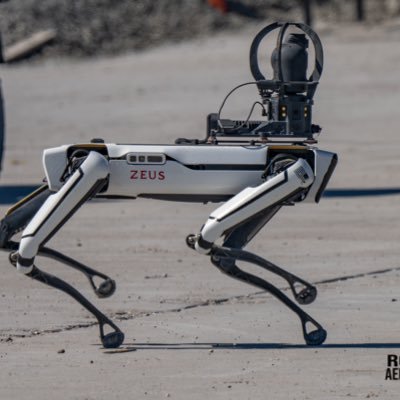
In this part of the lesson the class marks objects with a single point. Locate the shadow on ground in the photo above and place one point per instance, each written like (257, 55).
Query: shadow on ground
(130, 347)
(10, 194)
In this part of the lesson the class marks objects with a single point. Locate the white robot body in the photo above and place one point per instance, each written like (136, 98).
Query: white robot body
(200, 173)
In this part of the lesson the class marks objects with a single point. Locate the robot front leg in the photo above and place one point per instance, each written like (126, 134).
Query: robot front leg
(18, 217)
(240, 219)
(85, 182)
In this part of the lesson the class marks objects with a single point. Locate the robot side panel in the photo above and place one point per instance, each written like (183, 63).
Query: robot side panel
(173, 178)
(197, 154)
(185, 170)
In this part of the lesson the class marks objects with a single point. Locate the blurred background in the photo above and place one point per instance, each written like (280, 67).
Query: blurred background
(134, 71)
(93, 27)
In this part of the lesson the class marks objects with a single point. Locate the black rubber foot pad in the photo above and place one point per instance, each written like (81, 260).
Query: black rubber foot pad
(190, 241)
(307, 296)
(106, 288)
(317, 337)
(113, 340)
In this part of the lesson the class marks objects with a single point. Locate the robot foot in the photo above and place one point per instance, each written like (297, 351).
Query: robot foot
(303, 292)
(110, 340)
(105, 288)
(225, 263)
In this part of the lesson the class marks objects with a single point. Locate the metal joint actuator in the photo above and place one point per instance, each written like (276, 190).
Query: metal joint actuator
(253, 167)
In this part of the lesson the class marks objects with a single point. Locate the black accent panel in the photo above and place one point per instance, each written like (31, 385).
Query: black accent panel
(220, 167)
(25, 262)
(115, 197)
(226, 167)
(327, 176)
(204, 244)
(188, 198)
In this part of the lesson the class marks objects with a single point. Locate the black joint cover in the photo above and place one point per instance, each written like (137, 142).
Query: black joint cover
(204, 244)
(25, 262)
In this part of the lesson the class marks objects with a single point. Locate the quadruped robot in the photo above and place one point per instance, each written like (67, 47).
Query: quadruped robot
(253, 167)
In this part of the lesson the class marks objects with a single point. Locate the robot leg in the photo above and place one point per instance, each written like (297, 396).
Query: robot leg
(286, 186)
(18, 217)
(85, 182)
(240, 219)
(313, 337)
(234, 241)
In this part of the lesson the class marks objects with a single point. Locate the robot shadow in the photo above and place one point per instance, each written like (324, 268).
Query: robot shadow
(131, 347)
(361, 192)
(10, 194)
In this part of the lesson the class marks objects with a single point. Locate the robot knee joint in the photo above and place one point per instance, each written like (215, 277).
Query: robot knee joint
(202, 246)
(225, 265)
(24, 265)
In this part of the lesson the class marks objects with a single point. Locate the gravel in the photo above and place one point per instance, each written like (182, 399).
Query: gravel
(91, 27)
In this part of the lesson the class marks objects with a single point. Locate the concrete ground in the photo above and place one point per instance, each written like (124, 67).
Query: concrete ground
(191, 332)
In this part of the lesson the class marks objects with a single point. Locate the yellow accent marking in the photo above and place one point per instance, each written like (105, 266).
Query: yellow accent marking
(25, 199)
(90, 145)
(290, 147)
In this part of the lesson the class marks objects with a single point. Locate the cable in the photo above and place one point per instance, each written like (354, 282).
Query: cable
(250, 113)
(226, 98)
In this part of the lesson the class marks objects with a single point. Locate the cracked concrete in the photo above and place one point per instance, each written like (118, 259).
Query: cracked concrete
(250, 298)
(249, 346)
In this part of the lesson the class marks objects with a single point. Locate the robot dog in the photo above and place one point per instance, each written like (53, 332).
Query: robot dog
(253, 167)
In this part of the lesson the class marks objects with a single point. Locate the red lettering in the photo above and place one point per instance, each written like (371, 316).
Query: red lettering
(152, 175)
(144, 174)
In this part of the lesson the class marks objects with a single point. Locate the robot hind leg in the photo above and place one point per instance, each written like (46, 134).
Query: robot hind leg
(225, 257)
(240, 236)
(240, 219)
(227, 265)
